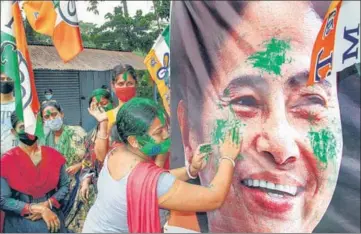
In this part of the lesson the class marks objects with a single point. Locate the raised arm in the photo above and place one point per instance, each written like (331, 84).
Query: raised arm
(201, 198)
(101, 145)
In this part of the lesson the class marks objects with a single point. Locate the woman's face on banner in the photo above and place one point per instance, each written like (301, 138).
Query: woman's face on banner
(291, 134)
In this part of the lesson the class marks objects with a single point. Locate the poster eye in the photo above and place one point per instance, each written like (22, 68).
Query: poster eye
(315, 99)
(245, 101)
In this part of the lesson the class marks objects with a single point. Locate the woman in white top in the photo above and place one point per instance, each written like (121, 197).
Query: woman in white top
(134, 194)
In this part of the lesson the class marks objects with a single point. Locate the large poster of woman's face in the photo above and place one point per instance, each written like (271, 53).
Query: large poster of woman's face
(245, 65)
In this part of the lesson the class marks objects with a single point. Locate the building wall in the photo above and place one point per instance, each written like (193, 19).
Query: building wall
(71, 89)
(90, 80)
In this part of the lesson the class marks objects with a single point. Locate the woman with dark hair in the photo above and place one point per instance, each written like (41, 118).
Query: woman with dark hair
(124, 81)
(33, 184)
(100, 99)
(69, 141)
(135, 194)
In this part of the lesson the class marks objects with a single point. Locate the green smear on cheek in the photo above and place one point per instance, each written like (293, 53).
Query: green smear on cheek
(323, 144)
(224, 126)
(272, 58)
(218, 133)
(48, 112)
(205, 149)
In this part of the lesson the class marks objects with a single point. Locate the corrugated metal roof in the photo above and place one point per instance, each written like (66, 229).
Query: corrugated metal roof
(46, 57)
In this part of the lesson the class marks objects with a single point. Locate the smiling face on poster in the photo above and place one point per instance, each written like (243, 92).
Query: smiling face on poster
(291, 133)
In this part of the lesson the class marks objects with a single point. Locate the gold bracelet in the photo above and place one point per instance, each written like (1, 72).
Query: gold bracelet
(228, 158)
(103, 138)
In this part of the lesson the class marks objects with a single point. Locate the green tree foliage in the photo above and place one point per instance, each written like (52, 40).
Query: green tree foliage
(120, 32)
(162, 9)
(35, 38)
(93, 6)
(123, 32)
(87, 31)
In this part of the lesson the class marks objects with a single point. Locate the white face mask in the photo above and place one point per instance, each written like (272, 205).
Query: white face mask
(54, 124)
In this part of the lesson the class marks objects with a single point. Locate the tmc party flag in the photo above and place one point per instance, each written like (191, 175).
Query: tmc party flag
(59, 20)
(157, 62)
(337, 44)
(16, 64)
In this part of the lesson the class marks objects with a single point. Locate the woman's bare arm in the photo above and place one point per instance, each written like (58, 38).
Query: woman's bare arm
(102, 138)
(101, 145)
(199, 198)
(181, 174)
(197, 164)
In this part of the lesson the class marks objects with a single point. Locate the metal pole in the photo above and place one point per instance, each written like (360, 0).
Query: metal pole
(155, 93)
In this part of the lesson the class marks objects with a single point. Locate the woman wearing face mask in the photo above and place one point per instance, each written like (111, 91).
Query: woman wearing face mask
(135, 194)
(100, 98)
(7, 106)
(124, 83)
(124, 86)
(48, 94)
(69, 141)
(33, 184)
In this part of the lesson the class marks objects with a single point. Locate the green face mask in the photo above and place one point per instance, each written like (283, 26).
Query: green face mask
(151, 148)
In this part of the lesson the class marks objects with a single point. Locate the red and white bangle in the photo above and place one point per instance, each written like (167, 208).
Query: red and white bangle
(189, 173)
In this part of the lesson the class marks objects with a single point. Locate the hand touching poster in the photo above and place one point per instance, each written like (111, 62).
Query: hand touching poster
(245, 65)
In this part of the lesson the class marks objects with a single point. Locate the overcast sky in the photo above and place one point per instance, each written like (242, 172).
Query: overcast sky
(107, 6)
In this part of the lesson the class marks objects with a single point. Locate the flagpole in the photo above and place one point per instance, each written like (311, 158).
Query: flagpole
(155, 93)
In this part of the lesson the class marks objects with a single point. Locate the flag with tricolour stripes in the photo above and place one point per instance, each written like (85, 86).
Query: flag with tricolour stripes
(16, 64)
(157, 62)
(59, 20)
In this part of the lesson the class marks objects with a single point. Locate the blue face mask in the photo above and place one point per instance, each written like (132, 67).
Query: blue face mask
(54, 124)
(48, 96)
